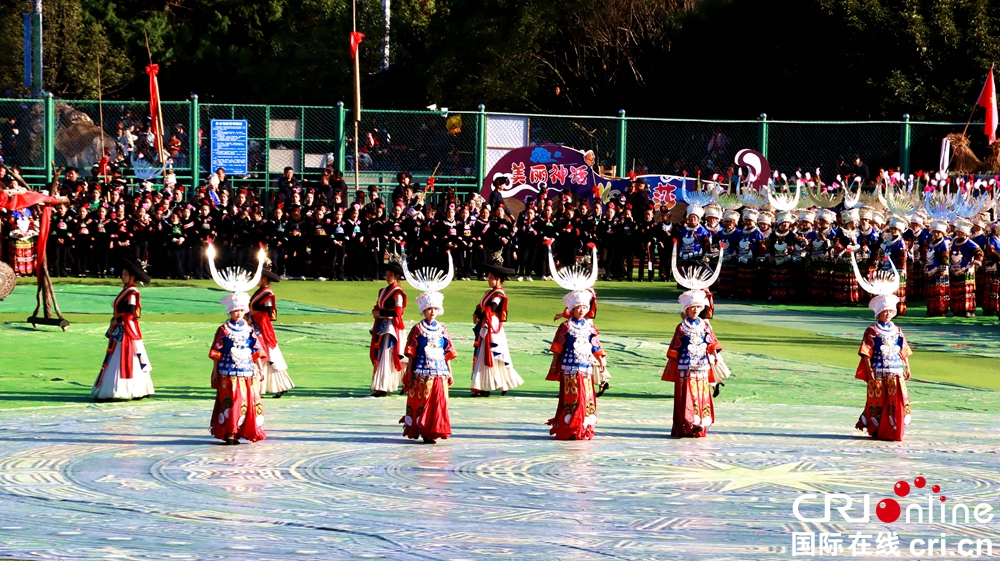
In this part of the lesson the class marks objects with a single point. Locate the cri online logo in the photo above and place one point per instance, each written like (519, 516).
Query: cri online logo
(889, 510)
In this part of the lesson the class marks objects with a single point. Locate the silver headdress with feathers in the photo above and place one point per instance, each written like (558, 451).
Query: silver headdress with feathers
(235, 280)
(882, 286)
(575, 279)
(697, 277)
(430, 281)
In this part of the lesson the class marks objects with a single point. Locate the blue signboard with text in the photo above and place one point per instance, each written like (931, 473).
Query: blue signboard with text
(229, 146)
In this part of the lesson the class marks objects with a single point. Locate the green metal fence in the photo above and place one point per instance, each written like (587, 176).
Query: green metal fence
(57, 133)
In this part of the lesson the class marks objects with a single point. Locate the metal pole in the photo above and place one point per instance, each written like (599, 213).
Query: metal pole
(904, 145)
(762, 135)
(622, 159)
(341, 144)
(194, 144)
(357, 94)
(49, 134)
(481, 147)
(36, 47)
(385, 49)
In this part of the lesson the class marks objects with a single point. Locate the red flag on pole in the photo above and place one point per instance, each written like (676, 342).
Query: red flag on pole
(988, 99)
(356, 37)
(155, 112)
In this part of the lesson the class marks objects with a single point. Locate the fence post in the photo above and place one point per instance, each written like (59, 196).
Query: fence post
(762, 135)
(480, 148)
(49, 134)
(194, 142)
(622, 159)
(904, 145)
(341, 145)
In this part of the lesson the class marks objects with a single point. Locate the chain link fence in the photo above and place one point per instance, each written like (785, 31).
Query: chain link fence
(673, 147)
(311, 139)
(21, 144)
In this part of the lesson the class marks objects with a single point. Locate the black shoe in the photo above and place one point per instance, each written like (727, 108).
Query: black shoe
(718, 389)
(697, 430)
(429, 440)
(230, 441)
(402, 391)
(279, 394)
(503, 393)
(236, 441)
(604, 387)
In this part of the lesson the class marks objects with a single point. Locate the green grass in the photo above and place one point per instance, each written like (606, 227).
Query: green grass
(328, 356)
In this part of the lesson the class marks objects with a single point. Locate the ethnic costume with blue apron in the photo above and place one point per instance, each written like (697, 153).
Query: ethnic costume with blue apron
(690, 367)
(991, 292)
(576, 348)
(750, 248)
(965, 256)
(125, 371)
(429, 349)
(887, 408)
(238, 409)
(937, 287)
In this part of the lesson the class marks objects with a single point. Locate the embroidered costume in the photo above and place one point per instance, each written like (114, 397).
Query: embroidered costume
(492, 367)
(430, 350)
(936, 277)
(238, 408)
(237, 353)
(386, 350)
(694, 362)
(884, 362)
(263, 310)
(966, 257)
(125, 373)
(576, 351)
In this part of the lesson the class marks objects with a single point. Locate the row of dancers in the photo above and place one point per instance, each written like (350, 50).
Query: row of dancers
(247, 361)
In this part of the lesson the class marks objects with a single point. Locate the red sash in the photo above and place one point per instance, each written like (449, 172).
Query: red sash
(486, 343)
(131, 333)
(386, 299)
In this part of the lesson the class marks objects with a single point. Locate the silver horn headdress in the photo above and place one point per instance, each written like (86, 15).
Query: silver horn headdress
(430, 281)
(576, 279)
(235, 280)
(882, 286)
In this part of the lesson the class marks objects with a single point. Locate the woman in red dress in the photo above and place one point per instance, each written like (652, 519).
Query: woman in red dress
(430, 352)
(236, 355)
(263, 310)
(386, 349)
(885, 361)
(694, 364)
(125, 371)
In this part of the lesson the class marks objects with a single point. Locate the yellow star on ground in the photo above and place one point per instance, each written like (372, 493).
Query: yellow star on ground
(793, 475)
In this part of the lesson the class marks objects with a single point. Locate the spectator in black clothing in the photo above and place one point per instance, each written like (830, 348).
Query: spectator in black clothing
(403, 181)
(496, 195)
(286, 184)
(860, 169)
(639, 199)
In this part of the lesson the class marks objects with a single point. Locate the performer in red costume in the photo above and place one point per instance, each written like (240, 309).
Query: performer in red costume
(125, 371)
(430, 350)
(264, 310)
(694, 362)
(492, 368)
(236, 355)
(386, 349)
(885, 361)
(570, 278)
